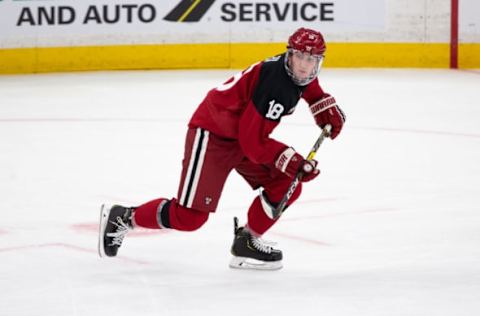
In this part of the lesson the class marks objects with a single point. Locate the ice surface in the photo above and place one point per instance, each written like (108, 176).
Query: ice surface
(391, 227)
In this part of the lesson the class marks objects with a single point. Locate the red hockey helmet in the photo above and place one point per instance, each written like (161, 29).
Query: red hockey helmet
(307, 41)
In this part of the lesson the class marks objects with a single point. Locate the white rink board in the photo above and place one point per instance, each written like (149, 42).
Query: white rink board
(143, 22)
(83, 23)
(469, 23)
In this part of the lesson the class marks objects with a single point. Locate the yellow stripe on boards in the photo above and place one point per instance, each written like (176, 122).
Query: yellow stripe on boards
(390, 55)
(469, 55)
(59, 59)
(225, 55)
(412, 55)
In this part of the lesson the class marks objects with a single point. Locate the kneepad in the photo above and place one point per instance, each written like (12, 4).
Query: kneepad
(185, 219)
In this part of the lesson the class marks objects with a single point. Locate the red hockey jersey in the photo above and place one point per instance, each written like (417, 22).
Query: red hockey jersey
(249, 105)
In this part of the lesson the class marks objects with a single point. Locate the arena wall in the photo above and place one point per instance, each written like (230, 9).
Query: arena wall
(68, 35)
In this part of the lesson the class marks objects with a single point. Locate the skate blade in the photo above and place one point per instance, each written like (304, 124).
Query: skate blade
(104, 212)
(252, 264)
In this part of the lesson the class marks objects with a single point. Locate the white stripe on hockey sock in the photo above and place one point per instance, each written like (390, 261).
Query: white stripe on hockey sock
(198, 169)
(190, 167)
(159, 213)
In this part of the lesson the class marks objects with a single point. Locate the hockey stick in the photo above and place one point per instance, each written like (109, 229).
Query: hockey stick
(277, 212)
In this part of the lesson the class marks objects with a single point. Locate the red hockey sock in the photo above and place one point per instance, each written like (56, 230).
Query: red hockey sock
(258, 221)
(163, 213)
(146, 214)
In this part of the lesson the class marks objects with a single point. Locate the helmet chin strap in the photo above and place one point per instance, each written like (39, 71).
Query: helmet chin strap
(298, 81)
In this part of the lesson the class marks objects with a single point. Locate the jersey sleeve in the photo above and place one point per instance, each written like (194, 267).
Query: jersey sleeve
(222, 107)
(313, 92)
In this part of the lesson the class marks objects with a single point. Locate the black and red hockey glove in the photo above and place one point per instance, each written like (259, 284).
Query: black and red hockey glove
(326, 111)
(290, 162)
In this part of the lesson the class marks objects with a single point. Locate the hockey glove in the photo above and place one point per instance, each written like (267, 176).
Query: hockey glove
(290, 162)
(326, 111)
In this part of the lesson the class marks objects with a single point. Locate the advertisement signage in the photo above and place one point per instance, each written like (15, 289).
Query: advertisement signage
(39, 23)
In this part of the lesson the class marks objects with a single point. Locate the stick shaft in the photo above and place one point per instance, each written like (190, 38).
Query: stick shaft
(283, 203)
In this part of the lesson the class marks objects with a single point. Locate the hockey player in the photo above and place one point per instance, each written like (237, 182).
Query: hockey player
(230, 130)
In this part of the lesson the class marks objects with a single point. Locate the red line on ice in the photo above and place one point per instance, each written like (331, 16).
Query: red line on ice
(367, 211)
(67, 246)
(82, 120)
(418, 131)
(302, 239)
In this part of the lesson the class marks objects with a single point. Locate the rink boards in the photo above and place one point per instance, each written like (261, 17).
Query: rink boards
(63, 35)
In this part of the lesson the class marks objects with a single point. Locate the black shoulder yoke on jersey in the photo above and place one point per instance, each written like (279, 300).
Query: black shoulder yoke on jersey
(275, 94)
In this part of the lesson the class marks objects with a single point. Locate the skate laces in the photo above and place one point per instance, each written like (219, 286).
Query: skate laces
(119, 234)
(269, 242)
(262, 245)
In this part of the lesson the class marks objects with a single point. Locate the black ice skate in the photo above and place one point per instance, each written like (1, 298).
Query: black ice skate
(250, 252)
(115, 222)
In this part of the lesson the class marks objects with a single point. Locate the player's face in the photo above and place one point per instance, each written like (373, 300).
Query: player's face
(303, 64)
